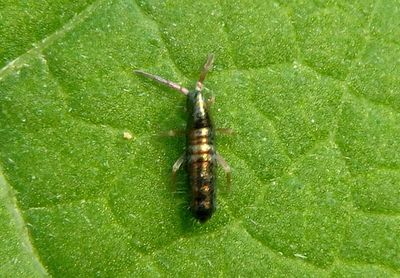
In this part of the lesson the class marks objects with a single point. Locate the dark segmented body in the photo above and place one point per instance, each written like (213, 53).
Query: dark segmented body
(201, 157)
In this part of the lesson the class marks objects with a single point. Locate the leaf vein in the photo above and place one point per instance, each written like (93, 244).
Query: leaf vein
(49, 40)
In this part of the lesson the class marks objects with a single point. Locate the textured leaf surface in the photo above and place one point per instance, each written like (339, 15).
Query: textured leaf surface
(311, 89)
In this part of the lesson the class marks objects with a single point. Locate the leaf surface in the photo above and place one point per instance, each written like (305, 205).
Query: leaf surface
(310, 88)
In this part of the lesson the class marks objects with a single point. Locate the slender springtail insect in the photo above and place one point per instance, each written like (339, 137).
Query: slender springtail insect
(200, 157)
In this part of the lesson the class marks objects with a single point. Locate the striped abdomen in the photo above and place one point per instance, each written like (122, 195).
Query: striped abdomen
(201, 163)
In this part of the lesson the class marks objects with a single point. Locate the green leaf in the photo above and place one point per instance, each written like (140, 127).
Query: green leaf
(310, 88)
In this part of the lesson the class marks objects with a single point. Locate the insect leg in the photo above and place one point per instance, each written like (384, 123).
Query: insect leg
(227, 131)
(176, 167)
(221, 161)
(206, 68)
(174, 132)
(161, 80)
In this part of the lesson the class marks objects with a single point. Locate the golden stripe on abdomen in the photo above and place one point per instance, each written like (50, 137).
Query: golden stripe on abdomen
(201, 149)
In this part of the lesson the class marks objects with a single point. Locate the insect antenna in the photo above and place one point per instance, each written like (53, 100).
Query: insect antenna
(166, 82)
(207, 66)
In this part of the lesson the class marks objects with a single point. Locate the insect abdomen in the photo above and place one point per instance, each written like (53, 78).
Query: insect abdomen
(201, 167)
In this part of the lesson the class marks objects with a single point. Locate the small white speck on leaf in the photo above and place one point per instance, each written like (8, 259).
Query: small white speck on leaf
(128, 135)
(301, 256)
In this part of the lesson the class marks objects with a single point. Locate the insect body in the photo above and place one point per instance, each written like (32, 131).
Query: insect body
(200, 157)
